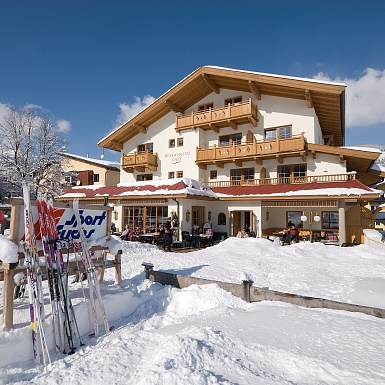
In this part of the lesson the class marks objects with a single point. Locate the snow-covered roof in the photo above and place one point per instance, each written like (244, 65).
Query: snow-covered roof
(100, 162)
(169, 187)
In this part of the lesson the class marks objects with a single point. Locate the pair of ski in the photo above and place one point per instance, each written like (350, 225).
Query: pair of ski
(96, 305)
(35, 286)
(65, 327)
(64, 321)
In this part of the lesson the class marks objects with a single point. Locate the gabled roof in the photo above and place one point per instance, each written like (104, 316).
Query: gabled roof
(327, 98)
(359, 159)
(109, 165)
(171, 188)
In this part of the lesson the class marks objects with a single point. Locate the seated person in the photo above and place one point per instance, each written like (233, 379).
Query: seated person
(126, 233)
(136, 234)
(209, 232)
(242, 233)
(294, 233)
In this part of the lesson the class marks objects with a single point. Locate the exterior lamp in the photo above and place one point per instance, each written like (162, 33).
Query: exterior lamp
(187, 216)
(209, 215)
(115, 215)
(313, 217)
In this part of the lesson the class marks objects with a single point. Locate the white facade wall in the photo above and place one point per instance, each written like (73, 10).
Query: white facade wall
(272, 112)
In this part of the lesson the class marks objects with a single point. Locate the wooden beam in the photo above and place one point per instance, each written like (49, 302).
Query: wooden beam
(279, 159)
(202, 166)
(309, 100)
(253, 121)
(238, 163)
(117, 145)
(329, 140)
(210, 82)
(140, 168)
(214, 127)
(254, 89)
(232, 125)
(342, 159)
(219, 164)
(304, 156)
(259, 161)
(313, 154)
(140, 128)
(174, 107)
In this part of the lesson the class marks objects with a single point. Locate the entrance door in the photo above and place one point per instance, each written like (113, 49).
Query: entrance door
(240, 219)
(198, 217)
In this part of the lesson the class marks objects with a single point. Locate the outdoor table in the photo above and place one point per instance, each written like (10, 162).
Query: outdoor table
(148, 238)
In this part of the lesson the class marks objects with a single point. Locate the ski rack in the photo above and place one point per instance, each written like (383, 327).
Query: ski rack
(9, 270)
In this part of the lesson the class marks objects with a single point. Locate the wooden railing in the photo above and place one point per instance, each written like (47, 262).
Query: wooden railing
(239, 113)
(280, 180)
(140, 161)
(251, 150)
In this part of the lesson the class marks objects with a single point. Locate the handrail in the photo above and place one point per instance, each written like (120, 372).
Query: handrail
(260, 148)
(284, 180)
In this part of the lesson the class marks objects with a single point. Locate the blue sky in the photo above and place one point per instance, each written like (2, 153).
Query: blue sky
(92, 64)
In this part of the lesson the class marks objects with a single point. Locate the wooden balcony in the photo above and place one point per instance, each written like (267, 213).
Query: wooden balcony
(216, 118)
(140, 161)
(255, 151)
(280, 180)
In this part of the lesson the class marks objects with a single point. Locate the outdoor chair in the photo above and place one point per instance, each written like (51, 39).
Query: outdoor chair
(186, 238)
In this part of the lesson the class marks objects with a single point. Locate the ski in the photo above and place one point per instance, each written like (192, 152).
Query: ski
(70, 319)
(36, 307)
(93, 283)
(57, 318)
(64, 319)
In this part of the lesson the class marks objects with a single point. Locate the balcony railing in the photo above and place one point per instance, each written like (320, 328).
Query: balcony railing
(283, 180)
(251, 151)
(140, 161)
(230, 115)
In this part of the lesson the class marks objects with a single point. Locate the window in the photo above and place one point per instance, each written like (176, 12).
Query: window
(213, 174)
(222, 219)
(237, 99)
(239, 175)
(179, 174)
(205, 107)
(329, 219)
(147, 218)
(282, 132)
(171, 143)
(294, 218)
(180, 142)
(225, 140)
(148, 147)
(171, 175)
(96, 178)
(291, 173)
(143, 177)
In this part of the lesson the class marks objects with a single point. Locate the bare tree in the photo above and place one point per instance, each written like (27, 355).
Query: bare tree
(30, 152)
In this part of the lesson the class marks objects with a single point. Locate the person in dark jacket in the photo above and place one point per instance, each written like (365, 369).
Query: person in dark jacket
(294, 233)
(167, 235)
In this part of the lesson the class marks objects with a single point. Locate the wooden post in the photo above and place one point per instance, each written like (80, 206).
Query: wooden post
(118, 267)
(9, 285)
(246, 285)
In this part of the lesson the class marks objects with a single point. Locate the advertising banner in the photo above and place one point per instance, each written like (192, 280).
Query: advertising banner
(94, 224)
